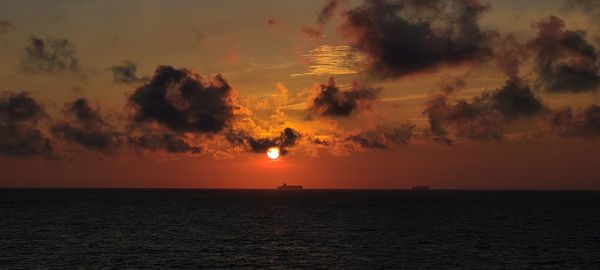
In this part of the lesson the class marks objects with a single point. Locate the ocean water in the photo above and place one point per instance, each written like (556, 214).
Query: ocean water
(309, 229)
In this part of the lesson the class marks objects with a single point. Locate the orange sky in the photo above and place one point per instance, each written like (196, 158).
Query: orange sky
(277, 76)
(542, 166)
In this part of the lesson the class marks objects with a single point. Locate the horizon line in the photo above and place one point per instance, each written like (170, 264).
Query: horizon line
(304, 189)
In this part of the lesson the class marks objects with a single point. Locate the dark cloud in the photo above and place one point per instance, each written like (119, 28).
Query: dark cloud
(126, 73)
(24, 141)
(382, 138)
(84, 125)
(20, 135)
(5, 26)
(470, 120)
(286, 139)
(483, 117)
(319, 141)
(169, 142)
(583, 123)
(19, 108)
(514, 100)
(327, 11)
(49, 56)
(182, 101)
(96, 140)
(365, 142)
(331, 101)
(408, 36)
(565, 61)
(82, 111)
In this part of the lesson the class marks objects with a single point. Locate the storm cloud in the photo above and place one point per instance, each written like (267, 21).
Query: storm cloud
(331, 101)
(182, 101)
(565, 61)
(50, 56)
(20, 132)
(84, 125)
(406, 36)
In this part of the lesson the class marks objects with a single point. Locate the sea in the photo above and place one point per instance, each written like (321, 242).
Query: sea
(307, 229)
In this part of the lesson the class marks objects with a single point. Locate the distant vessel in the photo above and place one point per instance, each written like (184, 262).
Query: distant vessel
(286, 187)
(420, 188)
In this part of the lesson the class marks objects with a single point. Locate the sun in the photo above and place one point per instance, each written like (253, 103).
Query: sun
(273, 152)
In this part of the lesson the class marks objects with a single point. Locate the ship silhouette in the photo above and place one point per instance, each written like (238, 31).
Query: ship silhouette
(289, 187)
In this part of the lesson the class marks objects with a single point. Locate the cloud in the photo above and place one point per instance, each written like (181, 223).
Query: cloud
(383, 138)
(182, 101)
(483, 117)
(565, 61)
(582, 123)
(126, 73)
(333, 60)
(346, 143)
(330, 101)
(20, 133)
(50, 56)
(327, 11)
(514, 100)
(509, 54)
(405, 37)
(288, 138)
(169, 142)
(323, 17)
(5, 26)
(84, 125)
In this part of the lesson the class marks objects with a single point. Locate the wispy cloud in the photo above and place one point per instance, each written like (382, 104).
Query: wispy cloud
(333, 60)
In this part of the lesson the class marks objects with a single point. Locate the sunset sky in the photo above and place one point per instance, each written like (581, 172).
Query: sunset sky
(454, 94)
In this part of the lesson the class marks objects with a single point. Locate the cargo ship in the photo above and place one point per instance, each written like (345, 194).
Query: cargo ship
(289, 187)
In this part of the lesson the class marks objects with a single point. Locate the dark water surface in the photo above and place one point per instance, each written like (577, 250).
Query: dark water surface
(309, 229)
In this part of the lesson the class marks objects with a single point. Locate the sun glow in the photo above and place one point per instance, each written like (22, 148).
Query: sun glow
(273, 153)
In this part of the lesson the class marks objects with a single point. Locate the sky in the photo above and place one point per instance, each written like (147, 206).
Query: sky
(453, 94)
